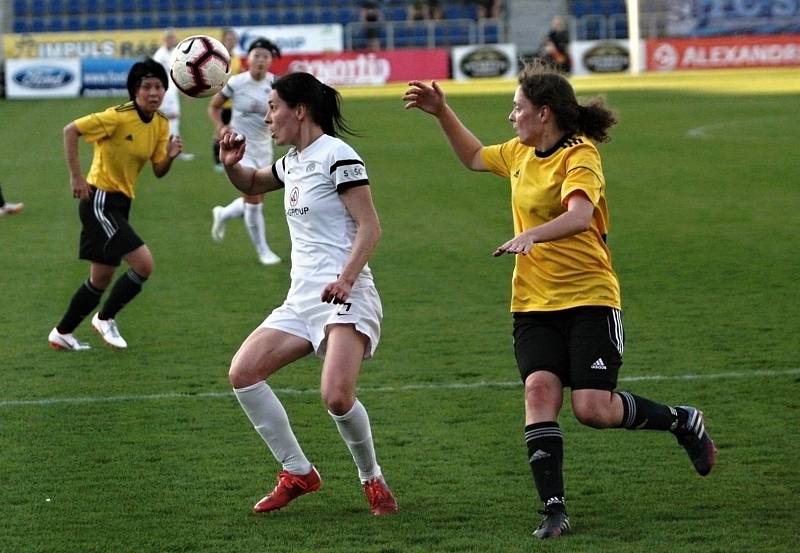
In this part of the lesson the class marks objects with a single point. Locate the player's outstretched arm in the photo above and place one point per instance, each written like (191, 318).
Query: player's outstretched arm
(246, 179)
(431, 99)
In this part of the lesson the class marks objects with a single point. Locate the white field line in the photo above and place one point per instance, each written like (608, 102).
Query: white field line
(381, 389)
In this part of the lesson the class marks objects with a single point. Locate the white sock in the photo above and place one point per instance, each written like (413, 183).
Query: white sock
(254, 222)
(355, 430)
(175, 126)
(265, 411)
(233, 210)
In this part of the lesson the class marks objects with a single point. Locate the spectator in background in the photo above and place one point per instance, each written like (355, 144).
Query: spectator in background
(371, 16)
(229, 39)
(422, 10)
(555, 49)
(7, 208)
(171, 106)
(490, 9)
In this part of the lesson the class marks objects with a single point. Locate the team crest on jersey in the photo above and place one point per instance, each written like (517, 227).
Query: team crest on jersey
(310, 167)
(294, 196)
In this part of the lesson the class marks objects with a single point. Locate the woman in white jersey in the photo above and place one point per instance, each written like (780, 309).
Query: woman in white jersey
(249, 92)
(332, 308)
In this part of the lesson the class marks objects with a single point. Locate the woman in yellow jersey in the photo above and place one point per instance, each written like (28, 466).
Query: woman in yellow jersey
(565, 295)
(125, 137)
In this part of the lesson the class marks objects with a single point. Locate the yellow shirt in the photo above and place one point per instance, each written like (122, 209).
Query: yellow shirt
(123, 143)
(571, 272)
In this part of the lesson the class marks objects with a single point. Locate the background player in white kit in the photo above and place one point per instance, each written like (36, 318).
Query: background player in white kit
(333, 307)
(171, 106)
(249, 92)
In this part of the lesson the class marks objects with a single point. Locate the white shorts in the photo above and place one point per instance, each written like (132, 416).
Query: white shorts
(304, 315)
(257, 155)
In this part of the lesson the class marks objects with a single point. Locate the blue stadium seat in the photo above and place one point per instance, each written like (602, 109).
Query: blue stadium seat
(146, 21)
(580, 8)
(201, 19)
(111, 22)
(91, 7)
(20, 25)
(327, 15)
(182, 20)
(163, 6)
(55, 25)
(128, 7)
(92, 23)
(289, 17)
(325, 3)
(309, 17)
(129, 22)
(397, 13)
(491, 33)
(55, 7)
(37, 26)
(617, 7)
(347, 15)
(74, 7)
(199, 5)
(74, 23)
(236, 18)
(271, 17)
(20, 10)
(38, 8)
(165, 19)
(109, 7)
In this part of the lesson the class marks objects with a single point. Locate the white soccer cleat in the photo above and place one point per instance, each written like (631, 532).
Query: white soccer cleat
(109, 332)
(269, 258)
(66, 342)
(185, 156)
(218, 225)
(11, 209)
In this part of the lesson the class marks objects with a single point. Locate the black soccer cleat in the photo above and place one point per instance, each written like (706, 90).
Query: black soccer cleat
(554, 523)
(695, 440)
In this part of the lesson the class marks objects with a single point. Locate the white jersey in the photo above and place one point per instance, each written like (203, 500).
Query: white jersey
(249, 98)
(171, 106)
(321, 228)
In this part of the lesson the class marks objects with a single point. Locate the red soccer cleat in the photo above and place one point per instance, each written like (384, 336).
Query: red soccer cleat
(290, 486)
(381, 500)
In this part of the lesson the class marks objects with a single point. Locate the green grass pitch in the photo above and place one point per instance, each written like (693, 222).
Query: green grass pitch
(147, 451)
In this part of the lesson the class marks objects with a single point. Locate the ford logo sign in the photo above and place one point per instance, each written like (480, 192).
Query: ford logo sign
(607, 57)
(43, 76)
(485, 62)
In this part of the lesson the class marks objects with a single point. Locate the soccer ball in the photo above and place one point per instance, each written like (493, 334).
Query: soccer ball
(199, 66)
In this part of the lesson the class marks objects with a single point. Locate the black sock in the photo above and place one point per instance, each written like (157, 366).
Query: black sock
(215, 150)
(2, 200)
(639, 413)
(125, 289)
(545, 456)
(83, 302)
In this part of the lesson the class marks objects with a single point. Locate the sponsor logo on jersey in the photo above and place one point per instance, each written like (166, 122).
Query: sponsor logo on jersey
(293, 211)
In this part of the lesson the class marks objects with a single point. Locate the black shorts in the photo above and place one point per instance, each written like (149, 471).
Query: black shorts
(582, 346)
(106, 235)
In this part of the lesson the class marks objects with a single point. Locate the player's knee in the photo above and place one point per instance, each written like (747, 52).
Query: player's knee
(337, 402)
(240, 377)
(592, 412)
(541, 388)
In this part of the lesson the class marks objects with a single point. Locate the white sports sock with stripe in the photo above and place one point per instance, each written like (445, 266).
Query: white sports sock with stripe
(355, 430)
(269, 418)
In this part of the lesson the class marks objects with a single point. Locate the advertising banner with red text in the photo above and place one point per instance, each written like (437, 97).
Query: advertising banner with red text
(369, 68)
(723, 52)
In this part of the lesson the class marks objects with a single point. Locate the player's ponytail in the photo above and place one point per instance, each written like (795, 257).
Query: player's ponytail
(543, 85)
(322, 101)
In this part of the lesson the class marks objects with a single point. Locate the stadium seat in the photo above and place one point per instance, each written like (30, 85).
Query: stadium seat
(146, 21)
(236, 18)
(74, 7)
(201, 19)
(111, 22)
(109, 7)
(397, 13)
(182, 20)
(129, 21)
(55, 7)
(91, 7)
(129, 7)
(20, 9)
(20, 26)
(92, 23)
(309, 17)
(327, 15)
(74, 23)
(347, 15)
(165, 19)
(144, 6)
(37, 26)
(55, 24)
(289, 17)
(200, 5)
(38, 8)
(271, 17)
